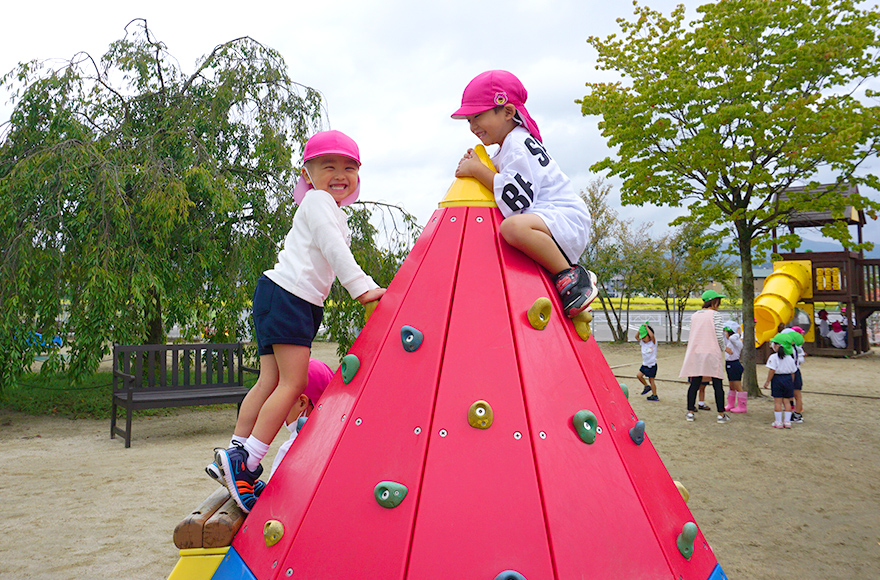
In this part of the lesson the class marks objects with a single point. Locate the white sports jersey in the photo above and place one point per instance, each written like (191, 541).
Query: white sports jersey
(649, 353)
(529, 181)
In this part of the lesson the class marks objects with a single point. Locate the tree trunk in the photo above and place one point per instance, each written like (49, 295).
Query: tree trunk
(750, 372)
(155, 331)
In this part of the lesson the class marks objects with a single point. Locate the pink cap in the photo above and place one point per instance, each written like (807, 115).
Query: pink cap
(319, 377)
(492, 89)
(836, 326)
(328, 143)
(798, 329)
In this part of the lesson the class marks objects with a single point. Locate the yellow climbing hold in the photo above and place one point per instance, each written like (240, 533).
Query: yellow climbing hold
(272, 532)
(682, 490)
(582, 324)
(480, 415)
(539, 313)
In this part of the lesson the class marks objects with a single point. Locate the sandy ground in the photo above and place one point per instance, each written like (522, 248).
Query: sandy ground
(801, 503)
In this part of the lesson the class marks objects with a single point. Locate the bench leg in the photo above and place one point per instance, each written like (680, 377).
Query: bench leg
(128, 427)
(113, 421)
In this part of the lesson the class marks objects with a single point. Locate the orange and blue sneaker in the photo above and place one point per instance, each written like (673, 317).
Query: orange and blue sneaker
(239, 480)
(577, 288)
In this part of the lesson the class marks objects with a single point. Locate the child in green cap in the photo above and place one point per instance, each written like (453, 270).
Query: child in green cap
(649, 361)
(781, 366)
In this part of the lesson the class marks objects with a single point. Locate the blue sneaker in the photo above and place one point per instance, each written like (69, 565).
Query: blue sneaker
(214, 472)
(577, 288)
(259, 486)
(646, 390)
(239, 480)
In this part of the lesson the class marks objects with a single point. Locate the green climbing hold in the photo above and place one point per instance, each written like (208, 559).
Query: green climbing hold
(686, 539)
(585, 424)
(625, 390)
(389, 494)
(350, 366)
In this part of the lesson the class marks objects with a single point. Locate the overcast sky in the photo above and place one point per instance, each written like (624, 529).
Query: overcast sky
(391, 71)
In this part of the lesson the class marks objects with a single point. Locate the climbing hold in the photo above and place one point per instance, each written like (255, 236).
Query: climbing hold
(682, 490)
(539, 313)
(411, 338)
(389, 494)
(582, 324)
(585, 423)
(350, 366)
(272, 532)
(637, 433)
(300, 422)
(510, 575)
(625, 390)
(480, 415)
(686, 538)
(369, 307)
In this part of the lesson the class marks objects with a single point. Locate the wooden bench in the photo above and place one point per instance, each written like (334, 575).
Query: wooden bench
(155, 376)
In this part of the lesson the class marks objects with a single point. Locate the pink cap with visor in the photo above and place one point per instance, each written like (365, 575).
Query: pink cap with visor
(492, 89)
(319, 377)
(328, 143)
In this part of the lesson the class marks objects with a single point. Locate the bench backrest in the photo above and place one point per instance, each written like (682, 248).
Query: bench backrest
(170, 366)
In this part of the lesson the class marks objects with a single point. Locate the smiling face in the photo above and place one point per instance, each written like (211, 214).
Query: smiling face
(335, 174)
(492, 126)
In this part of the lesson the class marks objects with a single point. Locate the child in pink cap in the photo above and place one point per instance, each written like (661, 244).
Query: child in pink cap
(288, 304)
(543, 216)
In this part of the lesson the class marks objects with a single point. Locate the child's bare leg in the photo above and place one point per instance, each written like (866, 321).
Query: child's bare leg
(528, 233)
(798, 401)
(641, 376)
(777, 404)
(653, 386)
(256, 396)
(787, 403)
(293, 372)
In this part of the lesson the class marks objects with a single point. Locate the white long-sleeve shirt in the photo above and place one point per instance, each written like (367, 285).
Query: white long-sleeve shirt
(735, 344)
(316, 251)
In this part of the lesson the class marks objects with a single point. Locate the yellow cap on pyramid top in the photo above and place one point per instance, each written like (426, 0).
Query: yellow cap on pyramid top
(467, 191)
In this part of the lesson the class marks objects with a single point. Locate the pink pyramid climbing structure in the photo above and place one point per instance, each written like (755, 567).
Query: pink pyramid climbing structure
(460, 441)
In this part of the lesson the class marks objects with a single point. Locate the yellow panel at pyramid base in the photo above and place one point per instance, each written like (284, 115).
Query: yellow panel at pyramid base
(198, 563)
(467, 191)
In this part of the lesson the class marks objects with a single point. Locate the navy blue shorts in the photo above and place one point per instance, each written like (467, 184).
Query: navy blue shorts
(798, 381)
(282, 318)
(734, 370)
(782, 387)
(649, 371)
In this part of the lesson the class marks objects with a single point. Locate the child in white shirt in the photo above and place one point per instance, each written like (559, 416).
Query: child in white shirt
(288, 304)
(781, 366)
(543, 216)
(648, 344)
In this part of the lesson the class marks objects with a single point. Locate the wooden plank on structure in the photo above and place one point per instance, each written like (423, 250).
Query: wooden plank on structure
(221, 527)
(188, 533)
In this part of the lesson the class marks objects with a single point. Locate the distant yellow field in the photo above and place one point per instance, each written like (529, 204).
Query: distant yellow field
(641, 303)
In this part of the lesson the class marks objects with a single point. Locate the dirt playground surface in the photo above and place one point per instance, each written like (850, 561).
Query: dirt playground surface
(801, 503)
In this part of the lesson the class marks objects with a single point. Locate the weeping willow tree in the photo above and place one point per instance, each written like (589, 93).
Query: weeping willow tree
(135, 197)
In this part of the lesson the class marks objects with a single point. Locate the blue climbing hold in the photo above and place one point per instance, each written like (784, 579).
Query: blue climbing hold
(638, 432)
(411, 338)
(510, 575)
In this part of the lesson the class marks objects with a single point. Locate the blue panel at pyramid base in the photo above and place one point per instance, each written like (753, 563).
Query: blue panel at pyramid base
(233, 568)
(718, 573)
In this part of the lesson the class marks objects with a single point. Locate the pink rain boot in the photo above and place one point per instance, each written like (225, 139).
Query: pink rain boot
(731, 400)
(741, 398)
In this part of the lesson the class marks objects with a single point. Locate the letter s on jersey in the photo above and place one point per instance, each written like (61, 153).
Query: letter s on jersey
(537, 149)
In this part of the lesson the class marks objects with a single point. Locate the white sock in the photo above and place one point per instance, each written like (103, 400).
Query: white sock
(778, 415)
(256, 451)
(788, 416)
(237, 439)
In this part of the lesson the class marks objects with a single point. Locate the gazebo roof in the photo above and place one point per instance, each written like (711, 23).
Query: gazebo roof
(819, 217)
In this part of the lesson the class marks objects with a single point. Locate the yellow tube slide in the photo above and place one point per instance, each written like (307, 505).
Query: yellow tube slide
(783, 289)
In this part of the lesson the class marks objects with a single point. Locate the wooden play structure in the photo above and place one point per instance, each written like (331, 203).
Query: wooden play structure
(802, 279)
(472, 431)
